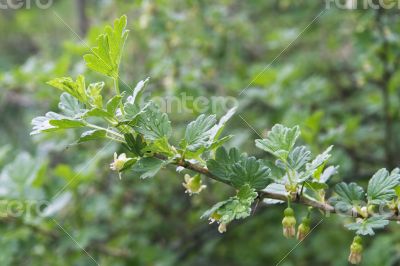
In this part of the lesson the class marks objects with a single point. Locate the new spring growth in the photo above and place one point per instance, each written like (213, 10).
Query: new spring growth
(193, 185)
(356, 250)
(289, 223)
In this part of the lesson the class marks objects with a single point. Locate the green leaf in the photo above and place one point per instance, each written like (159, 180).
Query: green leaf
(106, 57)
(327, 173)
(137, 91)
(208, 213)
(112, 104)
(70, 106)
(92, 135)
(94, 94)
(216, 131)
(315, 185)
(132, 112)
(131, 106)
(280, 141)
(153, 124)
(247, 194)
(198, 132)
(128, 164)
(237, 207)
(135, 144)
(381, 187)
(319, 160)
(52, 122)
(315, 168)
(66, 123)
(75, 88)
(298, 157)
(349, 194)
(218, 143)
(366, 227)
(160, 146)
(252, 172)
(148, 167)
(221, 166)
(41, 124)
(97, 112)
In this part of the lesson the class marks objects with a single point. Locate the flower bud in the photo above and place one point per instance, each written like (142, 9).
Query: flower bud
(193, 185)
(355, 250)
(289, 223)
(303, 229)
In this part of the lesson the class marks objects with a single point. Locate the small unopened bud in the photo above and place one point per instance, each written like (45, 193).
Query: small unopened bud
(303, 229)
(193, 185)
(356, 250)
(289, 223)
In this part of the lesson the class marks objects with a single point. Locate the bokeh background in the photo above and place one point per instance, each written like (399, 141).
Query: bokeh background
(334, 71)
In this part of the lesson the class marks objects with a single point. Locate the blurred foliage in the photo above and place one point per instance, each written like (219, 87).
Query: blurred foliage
(335, 75)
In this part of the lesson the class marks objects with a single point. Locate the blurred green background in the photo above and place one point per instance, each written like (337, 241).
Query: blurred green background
(331, 70)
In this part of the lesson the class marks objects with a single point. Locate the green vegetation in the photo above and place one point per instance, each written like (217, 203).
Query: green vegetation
(303, 147)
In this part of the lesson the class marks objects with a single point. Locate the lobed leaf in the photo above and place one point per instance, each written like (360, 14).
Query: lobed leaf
(137, 91)
(92, 135)
(349, 194)
(94, 94)
(106, 57)
(52, 122)
(75, 88)
(381, 187)
(298, 157)
(217, 129)
(153, 124)
(280, 141)
(367, 226)
(221, 166)
(198, 132)
(237, 207)
(70, 106)
(252, 172)
(148, 167)
(316, 167)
